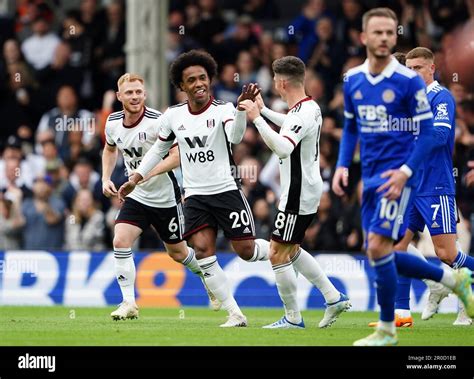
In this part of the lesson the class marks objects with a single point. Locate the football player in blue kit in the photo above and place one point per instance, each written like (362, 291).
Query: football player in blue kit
(388, 112)
(435, 203)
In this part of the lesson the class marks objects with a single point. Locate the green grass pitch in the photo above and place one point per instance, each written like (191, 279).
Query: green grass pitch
(69, 326)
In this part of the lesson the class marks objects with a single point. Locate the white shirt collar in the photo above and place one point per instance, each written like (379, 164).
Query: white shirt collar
(431, 86)
(386, 73)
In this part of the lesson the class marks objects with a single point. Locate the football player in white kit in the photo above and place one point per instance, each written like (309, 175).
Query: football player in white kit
(204, 129)
(297, 146)
(155, 202)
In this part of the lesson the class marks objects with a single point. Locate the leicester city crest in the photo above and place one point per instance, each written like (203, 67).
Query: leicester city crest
(388, 95)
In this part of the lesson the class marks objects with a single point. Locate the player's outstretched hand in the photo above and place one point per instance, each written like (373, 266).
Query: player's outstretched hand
(249, 92)
(251, 108)
(341, 176)
(394, 185)
(126, 189)
(259, 101)
(108, 188)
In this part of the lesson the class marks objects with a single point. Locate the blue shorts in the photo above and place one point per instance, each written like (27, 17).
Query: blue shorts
(386, 217)
(438, 213)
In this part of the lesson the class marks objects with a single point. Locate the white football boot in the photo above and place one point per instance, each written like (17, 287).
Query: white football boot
(283, 323)
(124, 311)
(378, 338)
(333, 311)
(235, 321)
(463, 318)
(437, 293)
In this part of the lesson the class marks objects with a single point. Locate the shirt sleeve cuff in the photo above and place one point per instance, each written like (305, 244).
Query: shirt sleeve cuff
(406, 170)
(259, 121)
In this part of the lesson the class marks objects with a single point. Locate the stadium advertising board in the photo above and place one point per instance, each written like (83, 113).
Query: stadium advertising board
(83, 278)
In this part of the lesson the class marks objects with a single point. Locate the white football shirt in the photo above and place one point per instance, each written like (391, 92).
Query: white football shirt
(301, 182)
(134, 141)
(204, 148)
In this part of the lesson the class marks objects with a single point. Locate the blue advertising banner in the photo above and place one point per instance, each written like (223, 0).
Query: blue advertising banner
(83, 278)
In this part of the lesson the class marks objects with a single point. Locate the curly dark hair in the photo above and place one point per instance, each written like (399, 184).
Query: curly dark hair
(192, 58)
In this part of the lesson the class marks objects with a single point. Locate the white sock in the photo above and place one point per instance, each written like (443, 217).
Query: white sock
(304, 263)
(191, 262)
(388, 326)
(286, 283)
(125, 273)
(414, 251)
(216, 281)
(403, 313)
(448, 279)
(260, 253)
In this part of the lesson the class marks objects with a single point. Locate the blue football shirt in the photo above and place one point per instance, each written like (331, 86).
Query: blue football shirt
(437, 170)
(385, 113)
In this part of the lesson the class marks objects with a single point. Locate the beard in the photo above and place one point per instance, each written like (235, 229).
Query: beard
(379, 54)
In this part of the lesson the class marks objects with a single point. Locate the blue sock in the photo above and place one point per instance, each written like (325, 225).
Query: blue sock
(386, 280)
(463, 260)
(403, 293)
(414, 267)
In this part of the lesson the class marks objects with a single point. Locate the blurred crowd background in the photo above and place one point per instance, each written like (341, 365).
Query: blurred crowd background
(60, 61)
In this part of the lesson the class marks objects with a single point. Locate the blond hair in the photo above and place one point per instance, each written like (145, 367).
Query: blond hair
(378, 12)
(420, 52)
(128, 77)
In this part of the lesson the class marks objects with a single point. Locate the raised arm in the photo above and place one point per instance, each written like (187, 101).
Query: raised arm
(235, 121)
(281, 145)
(168, 164)
(235, 128)
(277, 118)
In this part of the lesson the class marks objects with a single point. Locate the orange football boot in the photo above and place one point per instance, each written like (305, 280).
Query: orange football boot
(400, 322)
